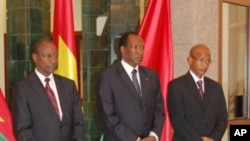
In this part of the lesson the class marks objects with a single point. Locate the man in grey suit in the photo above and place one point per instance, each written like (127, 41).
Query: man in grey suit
(37, 117)
(197, 110)
(130, 106)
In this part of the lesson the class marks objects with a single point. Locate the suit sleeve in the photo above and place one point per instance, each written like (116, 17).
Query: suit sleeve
(159, 116)
(78, 117)
(176, 113)
(221, 121)
(106, 108)
(21, 115)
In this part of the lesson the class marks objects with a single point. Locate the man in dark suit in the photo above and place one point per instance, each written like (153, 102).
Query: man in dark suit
(197, 112)
(130, 112)
(37, 117)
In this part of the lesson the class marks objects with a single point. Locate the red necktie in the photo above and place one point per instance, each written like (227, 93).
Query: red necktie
(200, 89)
(51, 96)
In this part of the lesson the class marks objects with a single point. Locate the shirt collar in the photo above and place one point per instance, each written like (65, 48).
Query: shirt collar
(128, 68)
(42, 77)
(195, 77)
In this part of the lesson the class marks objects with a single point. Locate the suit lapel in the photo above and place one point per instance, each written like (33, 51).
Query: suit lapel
(144, 79)
(60, 90)
(208, 90)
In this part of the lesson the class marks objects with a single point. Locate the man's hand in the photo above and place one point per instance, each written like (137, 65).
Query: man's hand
(149, 138)
(207, 139)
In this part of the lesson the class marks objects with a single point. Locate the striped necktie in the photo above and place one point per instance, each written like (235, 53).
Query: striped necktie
(200, 89)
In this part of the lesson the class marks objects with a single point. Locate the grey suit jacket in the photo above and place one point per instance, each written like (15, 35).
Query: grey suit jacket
(125, 115)
(192, 117)
(34, 116)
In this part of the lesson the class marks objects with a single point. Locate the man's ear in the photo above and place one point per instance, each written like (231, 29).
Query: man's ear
(122, 49)
(34, 57)
(189, 60)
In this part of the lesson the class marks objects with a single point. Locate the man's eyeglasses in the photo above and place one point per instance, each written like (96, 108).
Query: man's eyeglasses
(202, 60)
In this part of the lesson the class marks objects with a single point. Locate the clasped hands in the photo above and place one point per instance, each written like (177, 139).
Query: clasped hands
(149, 138)
(206, 139)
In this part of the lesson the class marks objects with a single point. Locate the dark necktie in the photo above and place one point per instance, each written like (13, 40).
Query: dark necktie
(51, 96)
(200, 89)
(135, 82)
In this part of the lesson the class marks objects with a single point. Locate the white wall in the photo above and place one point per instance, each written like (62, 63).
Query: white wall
(2, 31)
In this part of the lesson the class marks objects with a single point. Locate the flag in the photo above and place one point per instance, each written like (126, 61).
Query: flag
(2, 137)
(155, 30)
(64, 39)
(6, 127)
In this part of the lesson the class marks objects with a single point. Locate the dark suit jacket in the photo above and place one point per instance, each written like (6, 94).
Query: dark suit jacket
(125, 115)
(34, 116)
(192, 117)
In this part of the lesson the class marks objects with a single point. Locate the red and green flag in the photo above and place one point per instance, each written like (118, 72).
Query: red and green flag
(158, 55)
(6, 126)
(64, 39)
(2, 137)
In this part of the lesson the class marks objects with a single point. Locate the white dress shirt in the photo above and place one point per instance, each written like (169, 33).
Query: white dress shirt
(52, 86)
(128, 68)
(196, 79)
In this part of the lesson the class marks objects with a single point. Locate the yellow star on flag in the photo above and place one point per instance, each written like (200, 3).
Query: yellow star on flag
(1, 119)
